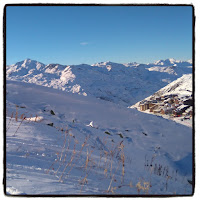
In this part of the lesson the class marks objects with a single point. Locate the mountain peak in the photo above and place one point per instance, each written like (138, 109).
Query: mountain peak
(102, 63)
(28, 64)
(28, 60)
(132, 64)
(168, 61)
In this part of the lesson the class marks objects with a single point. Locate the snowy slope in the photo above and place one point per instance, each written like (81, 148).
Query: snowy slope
(124, 84)
(171, 66)
(182, 89)
(74, 144)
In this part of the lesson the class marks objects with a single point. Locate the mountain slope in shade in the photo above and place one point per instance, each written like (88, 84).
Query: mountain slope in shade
(124, 84)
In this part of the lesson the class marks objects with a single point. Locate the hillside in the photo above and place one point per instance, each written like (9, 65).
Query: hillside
(174, 101)
(60, 143)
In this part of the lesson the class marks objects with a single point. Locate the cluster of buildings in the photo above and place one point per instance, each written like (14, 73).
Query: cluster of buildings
(168, 105)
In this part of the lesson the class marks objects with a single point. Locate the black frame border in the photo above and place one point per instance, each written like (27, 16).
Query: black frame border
(96, 4)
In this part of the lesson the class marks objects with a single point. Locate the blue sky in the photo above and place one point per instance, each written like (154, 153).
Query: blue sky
(90, 34)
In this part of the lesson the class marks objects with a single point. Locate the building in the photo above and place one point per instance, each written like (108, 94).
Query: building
(142, 108)
(166, 111)
(154, 108)
(151, 104)
(171, 101)
(180, 110)
(156, 111)
(162, 111)
(146, 105)
(188, 102)
(176, 101)
(158, 98)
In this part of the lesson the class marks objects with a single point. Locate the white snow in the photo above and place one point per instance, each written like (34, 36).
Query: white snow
(34, 119)
(69, 131)
(182, 87)
(124, 84)
(14, 191)
(124, 151)
(168, 70)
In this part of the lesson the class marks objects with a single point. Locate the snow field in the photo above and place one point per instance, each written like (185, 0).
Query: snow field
(70, 144)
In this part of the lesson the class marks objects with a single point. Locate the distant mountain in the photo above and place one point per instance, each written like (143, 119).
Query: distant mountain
(124, 84)
(25, 67)
(171, 66)
(171, 61)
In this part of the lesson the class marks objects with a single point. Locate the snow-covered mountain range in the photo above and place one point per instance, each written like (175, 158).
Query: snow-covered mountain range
(124, 84)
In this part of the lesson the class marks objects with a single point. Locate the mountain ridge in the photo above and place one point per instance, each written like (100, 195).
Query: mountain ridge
(123, 84)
